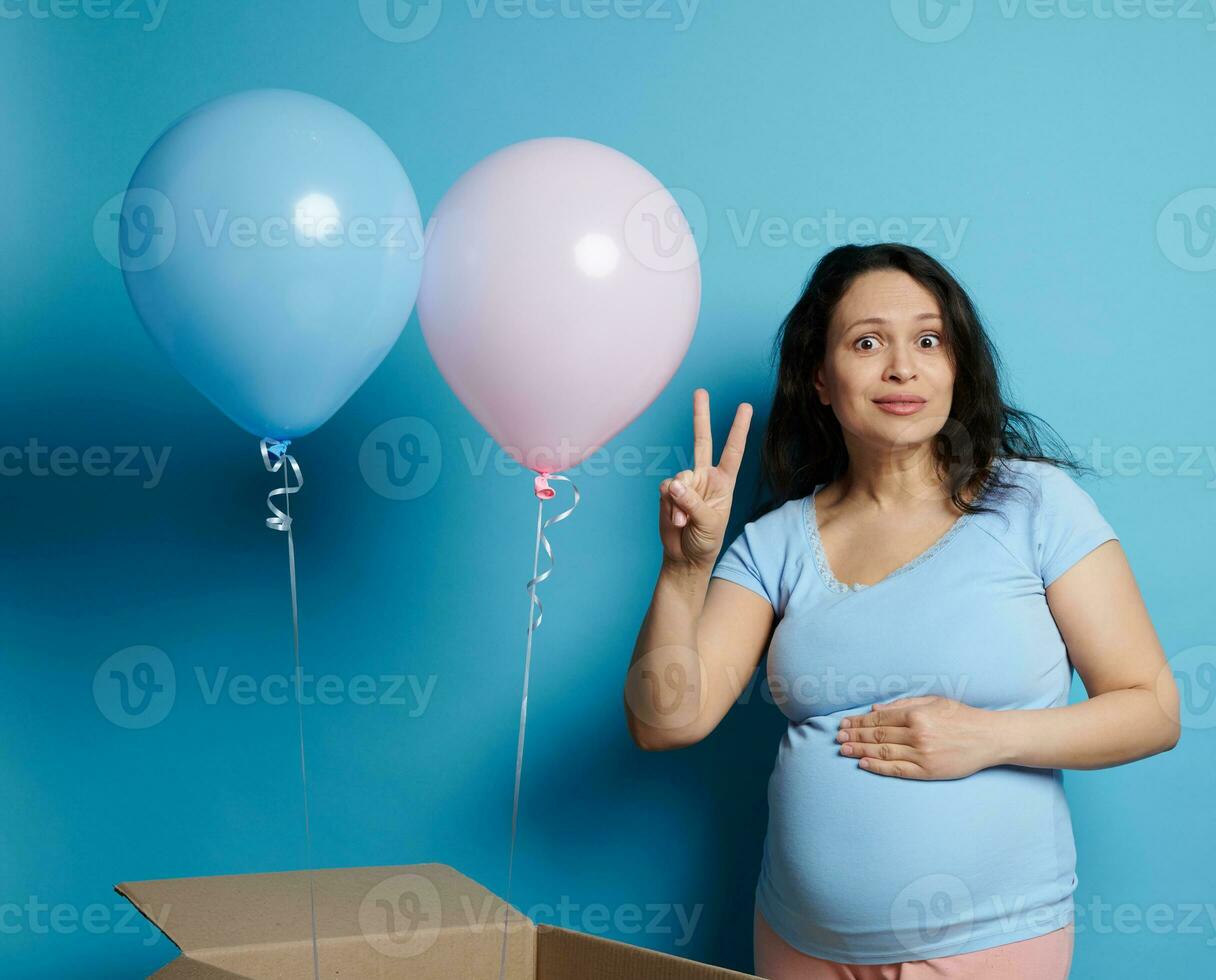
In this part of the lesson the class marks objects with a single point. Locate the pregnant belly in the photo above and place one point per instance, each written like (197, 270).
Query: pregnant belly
(859, 862)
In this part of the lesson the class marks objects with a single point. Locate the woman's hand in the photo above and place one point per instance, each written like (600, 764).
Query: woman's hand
(694, 505)
(921, 738)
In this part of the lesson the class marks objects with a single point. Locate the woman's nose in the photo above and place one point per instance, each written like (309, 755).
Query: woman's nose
(900, 365)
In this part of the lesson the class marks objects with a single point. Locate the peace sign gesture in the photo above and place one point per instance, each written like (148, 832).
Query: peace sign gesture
(694, 505)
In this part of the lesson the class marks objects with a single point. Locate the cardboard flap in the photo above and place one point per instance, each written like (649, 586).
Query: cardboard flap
(409, 922)
(184, 968)
(563, 954)
(385, 920)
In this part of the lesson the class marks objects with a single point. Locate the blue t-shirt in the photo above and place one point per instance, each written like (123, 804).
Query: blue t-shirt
(865, 868)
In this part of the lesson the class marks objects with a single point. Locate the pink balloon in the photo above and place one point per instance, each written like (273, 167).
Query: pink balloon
(560, 291)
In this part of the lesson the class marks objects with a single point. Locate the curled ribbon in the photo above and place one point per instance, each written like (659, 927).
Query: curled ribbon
(281, 521)
(544, 492)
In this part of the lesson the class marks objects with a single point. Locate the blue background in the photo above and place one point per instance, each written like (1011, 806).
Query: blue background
(1056, 142)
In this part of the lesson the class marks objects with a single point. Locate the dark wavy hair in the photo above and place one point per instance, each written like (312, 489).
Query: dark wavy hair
(803, 443)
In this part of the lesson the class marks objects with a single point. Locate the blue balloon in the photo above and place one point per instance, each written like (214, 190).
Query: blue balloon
(271, 244)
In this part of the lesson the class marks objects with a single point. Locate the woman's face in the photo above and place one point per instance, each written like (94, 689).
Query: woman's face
(886, 339)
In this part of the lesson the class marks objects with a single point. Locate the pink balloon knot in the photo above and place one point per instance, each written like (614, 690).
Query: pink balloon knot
(542, 489)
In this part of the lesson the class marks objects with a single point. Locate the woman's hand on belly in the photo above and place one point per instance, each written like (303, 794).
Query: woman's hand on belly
(928, 737)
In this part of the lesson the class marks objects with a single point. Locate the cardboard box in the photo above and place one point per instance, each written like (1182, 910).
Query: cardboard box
(421, 921)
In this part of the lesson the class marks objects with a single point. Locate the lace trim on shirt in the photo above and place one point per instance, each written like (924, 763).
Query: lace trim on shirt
(821, 561)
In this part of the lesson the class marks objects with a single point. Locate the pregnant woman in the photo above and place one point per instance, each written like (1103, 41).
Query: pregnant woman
(924, 579)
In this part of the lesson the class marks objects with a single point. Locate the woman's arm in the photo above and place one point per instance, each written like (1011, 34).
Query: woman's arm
(694, 655)
(701, 640)
(1132, 710)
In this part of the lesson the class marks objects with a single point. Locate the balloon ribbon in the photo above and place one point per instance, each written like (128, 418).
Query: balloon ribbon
(281, 521)
(543, 492)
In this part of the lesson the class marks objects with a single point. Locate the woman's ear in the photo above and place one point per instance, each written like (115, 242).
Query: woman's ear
(820, 387)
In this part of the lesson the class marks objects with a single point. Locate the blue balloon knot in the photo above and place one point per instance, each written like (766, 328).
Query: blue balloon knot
(279, 448)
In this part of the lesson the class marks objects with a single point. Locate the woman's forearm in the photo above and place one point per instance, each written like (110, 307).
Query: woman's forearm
(662, 695)
(1108, 729)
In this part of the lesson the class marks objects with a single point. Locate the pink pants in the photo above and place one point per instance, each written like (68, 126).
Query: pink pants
(1045, 957)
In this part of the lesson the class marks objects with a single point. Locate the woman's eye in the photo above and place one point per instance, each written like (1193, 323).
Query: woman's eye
(868, 339)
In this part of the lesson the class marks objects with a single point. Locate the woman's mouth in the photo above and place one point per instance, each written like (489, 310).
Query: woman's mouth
(901, 405)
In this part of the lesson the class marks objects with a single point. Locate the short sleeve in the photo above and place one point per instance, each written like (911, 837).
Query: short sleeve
(756, 558)
(1068, 525)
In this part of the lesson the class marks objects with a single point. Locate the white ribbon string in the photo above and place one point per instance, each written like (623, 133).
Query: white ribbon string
(281, 521)
(523, 704)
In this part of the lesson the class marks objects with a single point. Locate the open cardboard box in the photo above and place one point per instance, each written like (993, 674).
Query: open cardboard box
(421, 921)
